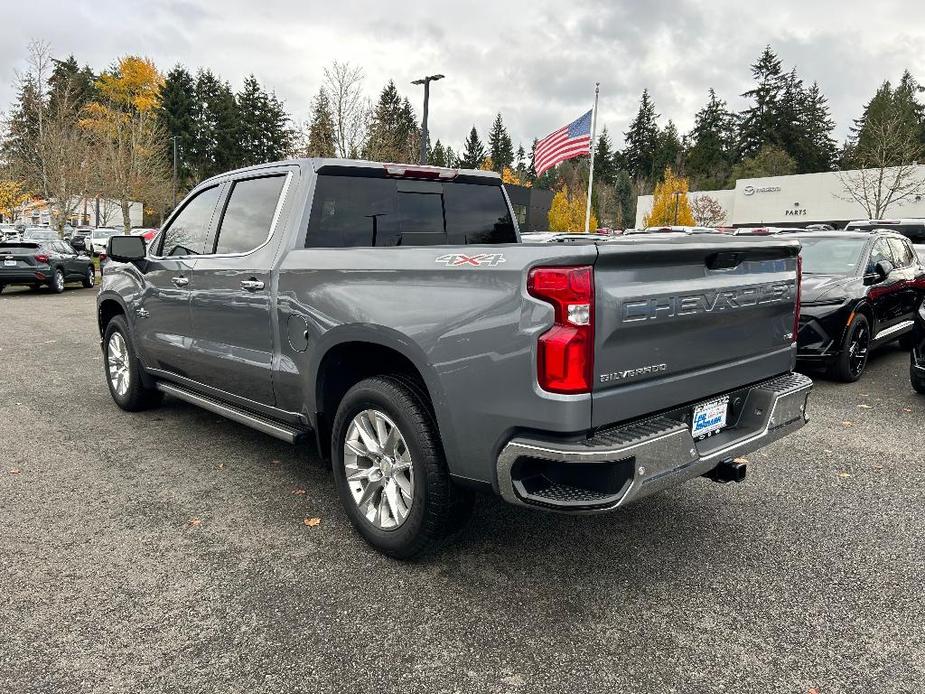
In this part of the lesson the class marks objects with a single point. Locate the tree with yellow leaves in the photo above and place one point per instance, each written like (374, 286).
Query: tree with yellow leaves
(12, 195)
(129, 146)
(670, 206)
(567, 212)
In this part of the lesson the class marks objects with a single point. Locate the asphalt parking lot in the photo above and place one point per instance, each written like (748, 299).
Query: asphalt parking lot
(167, 551)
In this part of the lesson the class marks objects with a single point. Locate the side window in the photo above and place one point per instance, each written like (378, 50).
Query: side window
(477, 214)
(248, 214)
(880, 251)
(902, 252)
(913, 232)
(189, 230)
(351, 211)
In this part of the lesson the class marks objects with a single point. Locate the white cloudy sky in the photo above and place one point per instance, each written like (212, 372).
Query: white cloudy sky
(534, 61)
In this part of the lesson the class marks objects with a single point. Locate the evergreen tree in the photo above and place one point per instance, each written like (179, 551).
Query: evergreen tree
(71, 84)
(531, 163)
(438, 155)
(263, 131)
(758, 124)
(626, 199)
(820, 150)
(896, 111)
(521, 165)
(322, 138)
(500, 147)
(473, 151)
(709, 159)
(769, 161)
(452, 159)
(605, 168)
(669, 151)
(176, 114)
(216, 145)
(642, 141)
(393, 134)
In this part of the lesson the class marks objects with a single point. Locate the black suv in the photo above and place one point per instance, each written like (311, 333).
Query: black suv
(860, 290)
(44, 263)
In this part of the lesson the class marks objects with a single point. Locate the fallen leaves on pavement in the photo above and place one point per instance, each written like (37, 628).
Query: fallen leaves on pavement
(844, 474)
(15, 471)
(312, 522)
(195, 522)
(846, 423)
(298, 491)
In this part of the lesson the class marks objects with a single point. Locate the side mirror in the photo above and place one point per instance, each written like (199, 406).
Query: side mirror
(125, 249)
(883, 268)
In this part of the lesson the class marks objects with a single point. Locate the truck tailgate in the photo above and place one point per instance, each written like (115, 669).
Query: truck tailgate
(680, 320)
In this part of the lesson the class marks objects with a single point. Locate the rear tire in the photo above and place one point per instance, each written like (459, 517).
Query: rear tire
(852, 361)
(56, 283)
(437, 506)
(89, 280)
(119, 358)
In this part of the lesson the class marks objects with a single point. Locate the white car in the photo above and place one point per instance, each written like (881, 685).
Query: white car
(96, 242)
(913, 229)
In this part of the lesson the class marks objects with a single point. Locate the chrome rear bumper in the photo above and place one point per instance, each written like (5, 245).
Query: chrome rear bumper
(627, 462)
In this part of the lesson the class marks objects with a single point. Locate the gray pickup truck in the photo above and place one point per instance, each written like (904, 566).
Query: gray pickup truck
(391, 313)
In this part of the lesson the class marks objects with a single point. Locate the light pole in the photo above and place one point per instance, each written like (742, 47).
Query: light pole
(426, 82)
(174, 206)
(677, 197)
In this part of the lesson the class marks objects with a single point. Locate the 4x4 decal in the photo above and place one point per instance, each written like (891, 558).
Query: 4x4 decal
(461, 260)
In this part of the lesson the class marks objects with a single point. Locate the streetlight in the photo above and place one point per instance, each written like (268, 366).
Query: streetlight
(677, 197)
(426, 82)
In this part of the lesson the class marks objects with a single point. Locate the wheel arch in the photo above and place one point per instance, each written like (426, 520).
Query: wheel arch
(357, 355)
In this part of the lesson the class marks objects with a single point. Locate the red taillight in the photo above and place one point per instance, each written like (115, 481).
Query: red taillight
(565, 352)
(42, 258)
(796, 304)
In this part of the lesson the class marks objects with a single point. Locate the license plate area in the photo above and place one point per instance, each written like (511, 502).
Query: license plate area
(709, 417)
(9, 263)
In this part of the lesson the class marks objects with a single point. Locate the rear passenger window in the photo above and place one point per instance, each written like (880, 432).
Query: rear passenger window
(189, 230)
(356, 211)
(249, 214)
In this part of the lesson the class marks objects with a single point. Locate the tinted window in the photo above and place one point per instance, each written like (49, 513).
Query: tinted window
(880, 251)
(421, 214)
(356, 211)
(477, 214)
(189, 230)
(350, 211)
(249, 213)
(902, 252)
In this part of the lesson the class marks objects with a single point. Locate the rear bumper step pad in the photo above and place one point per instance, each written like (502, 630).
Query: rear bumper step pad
(652, 454)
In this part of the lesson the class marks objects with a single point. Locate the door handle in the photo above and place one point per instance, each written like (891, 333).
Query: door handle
(252, 285)
(179, 281)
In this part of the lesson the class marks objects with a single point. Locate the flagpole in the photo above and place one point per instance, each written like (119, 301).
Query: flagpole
(597, 89)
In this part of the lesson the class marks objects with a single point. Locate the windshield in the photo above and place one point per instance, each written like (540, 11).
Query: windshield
(104, 233)
(39, 234)
(831, 256)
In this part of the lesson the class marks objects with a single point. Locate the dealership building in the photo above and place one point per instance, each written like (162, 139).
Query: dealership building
(795, 201)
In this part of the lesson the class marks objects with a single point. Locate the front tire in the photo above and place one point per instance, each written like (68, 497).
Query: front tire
(390, 470)
(915, 377)
(852, 361)
(123, 370)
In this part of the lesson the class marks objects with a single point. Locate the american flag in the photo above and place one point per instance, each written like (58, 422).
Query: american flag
(569, 141)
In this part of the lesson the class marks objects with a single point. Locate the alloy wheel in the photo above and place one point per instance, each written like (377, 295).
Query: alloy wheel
(858, 350)
(59, 281)
(117, 364)
(378, 468)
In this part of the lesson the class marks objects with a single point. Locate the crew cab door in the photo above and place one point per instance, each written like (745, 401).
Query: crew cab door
(885, 295)
(232, 289)
(162, 319)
